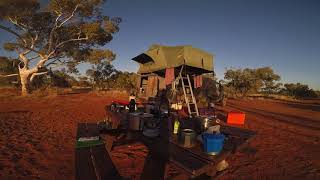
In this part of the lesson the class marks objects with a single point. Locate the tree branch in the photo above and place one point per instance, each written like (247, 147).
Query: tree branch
(9, 75)
(56, 26)
(58, 3)
(26, 47)
(36, 74)
(33, 42)
(12, 32)
(71, 40)
(15, 22)
(52, 31)
(68, 18)
(56, 58)
(34, 57)
(64, 42)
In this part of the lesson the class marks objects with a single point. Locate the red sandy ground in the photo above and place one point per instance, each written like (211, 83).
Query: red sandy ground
(37, 139)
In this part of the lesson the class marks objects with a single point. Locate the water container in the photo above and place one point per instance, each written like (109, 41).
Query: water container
(212, 143)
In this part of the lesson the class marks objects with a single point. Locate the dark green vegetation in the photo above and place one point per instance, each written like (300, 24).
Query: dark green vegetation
(242, 82)
(103, 76)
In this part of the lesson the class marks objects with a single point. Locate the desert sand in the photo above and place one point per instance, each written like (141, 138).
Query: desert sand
(37, 138)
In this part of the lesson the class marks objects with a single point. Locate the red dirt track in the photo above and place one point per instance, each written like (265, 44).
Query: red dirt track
(37, 138)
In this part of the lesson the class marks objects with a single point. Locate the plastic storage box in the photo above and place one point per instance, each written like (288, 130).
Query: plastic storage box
(236, 117)
(212, 143)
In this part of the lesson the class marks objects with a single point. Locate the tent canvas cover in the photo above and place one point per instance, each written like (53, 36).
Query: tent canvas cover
(158, 58)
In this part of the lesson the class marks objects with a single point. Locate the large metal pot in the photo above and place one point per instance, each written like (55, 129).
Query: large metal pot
(136, 121)
(151, 125)
(207, 122)
(187, 138)
(148, 119)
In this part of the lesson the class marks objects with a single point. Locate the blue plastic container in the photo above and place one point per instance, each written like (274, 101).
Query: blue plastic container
(212, 143)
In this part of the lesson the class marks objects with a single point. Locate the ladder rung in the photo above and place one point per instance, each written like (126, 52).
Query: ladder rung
(188, 95)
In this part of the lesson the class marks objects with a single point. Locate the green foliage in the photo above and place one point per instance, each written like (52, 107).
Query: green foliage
(98, 56)
(105, 76)
(10, 46)
(58, 78)
(8, 66)
(83, 82)
(40, 82)
(124, 80)
(22, 7)
(298, 90)
(67, 32)
(101, 74)
(240, 82)
(268, 78)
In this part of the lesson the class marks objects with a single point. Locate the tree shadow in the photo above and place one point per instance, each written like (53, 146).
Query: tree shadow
(284, 118)
(312, 107)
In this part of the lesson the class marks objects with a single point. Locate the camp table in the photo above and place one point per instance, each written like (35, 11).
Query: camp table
(93, 161)
(236, 138)
(192, 161)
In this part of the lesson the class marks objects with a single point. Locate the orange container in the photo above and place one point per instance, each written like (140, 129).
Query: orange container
(236, 117)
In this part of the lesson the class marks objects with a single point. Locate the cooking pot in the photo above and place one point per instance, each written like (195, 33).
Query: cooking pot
(187, 138)
(135, 121)
(206, 122)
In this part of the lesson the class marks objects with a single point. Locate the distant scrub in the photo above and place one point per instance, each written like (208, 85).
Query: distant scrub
(104, 77)
(299, 90)
(243, 82)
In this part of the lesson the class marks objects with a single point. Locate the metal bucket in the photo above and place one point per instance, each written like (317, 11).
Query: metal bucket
(151, 122)
(147, 117)
(187, 138)
(151, 125)
(206, 123)
(135, 121)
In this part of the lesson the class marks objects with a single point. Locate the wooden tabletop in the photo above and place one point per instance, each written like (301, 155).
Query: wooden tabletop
(163, 149)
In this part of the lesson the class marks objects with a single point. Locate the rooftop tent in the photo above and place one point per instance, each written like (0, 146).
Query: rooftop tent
(158, 58)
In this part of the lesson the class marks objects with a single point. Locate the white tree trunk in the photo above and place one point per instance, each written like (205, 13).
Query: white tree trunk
(24, 78)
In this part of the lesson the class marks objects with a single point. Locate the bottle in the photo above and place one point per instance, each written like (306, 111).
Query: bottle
(176, 126)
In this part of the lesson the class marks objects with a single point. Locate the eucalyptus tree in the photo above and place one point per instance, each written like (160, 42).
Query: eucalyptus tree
(58, 33)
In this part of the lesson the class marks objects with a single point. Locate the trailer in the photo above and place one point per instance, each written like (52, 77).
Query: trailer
(178, 70)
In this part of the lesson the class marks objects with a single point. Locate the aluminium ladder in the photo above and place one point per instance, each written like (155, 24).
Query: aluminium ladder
(188, 96)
